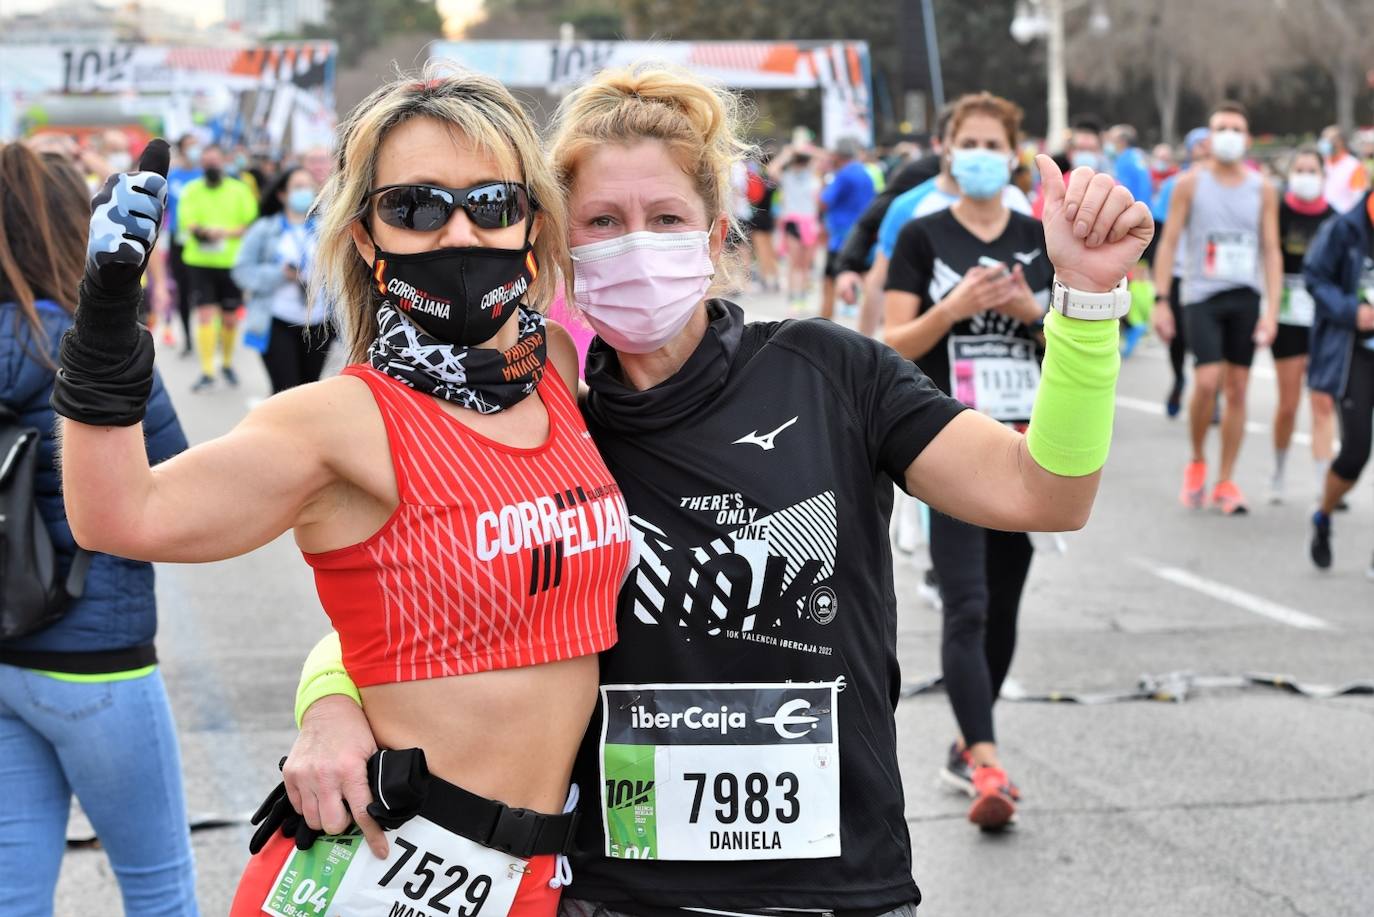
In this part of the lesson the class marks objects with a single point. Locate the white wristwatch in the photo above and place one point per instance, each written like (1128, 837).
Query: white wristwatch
(1071, 303)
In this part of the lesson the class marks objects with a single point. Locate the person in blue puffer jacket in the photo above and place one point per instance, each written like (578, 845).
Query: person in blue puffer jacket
(1339, 272)
(83, 707)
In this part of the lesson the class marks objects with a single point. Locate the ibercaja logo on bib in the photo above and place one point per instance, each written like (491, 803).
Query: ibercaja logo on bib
(720, 772)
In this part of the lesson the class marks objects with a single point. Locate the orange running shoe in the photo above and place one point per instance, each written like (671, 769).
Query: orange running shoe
(1226, 496)
(1194, 485)
(993, 807)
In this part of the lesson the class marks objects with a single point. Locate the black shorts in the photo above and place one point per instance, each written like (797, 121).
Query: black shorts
(762, 220)
(1222, 327)
(832, 264)
(212, 286)
(1291, 341)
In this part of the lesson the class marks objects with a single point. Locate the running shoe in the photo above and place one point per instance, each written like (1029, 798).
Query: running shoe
(1320, 546)
(202, 384)
(1194, 485)
(230, 377)
(958, 770)
(1226, 496)
(1174, 403)
(993, 805)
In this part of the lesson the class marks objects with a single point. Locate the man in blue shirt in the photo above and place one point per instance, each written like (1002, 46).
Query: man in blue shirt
(844, 199)
(1130, 165)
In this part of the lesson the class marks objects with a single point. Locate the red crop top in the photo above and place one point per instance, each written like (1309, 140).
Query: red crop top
(496, 557)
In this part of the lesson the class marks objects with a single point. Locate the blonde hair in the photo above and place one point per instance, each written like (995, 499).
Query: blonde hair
(698, 122)
(486, 115)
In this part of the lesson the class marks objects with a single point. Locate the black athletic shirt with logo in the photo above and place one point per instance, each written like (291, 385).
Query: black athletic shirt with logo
(931, 257)
(759, 484)
(1296, 230)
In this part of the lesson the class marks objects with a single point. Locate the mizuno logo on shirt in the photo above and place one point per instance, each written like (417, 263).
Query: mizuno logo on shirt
(1026, 257)
(764, 442)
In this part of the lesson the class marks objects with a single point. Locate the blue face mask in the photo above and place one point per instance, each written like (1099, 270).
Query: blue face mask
(300, 200)
(1080, 158)
(1326, 148)
(981, 174)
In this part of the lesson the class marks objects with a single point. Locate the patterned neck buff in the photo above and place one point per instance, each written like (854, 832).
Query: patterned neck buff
(485, 380)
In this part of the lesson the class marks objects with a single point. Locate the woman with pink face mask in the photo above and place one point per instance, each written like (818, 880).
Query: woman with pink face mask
(1302, 211)
(743, 757)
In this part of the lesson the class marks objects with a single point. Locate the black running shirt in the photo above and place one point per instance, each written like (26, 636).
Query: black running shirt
(931, 256)
(764, 571)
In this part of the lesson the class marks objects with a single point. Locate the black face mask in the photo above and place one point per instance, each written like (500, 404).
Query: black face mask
(459, 296)
(213, 175)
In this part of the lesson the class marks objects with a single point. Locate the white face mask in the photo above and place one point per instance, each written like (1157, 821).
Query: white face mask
(1228, 145)
(640, 289)
(1306, 186)
(120, 162)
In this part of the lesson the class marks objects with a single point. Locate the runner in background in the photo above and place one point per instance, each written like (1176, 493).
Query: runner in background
(798, 209)
(966, 294)
(859, 252)
(185, 169)
(214, 213)
(273, 268)
(1346, 178)
(1129, 165)
(1198, 151)
(1232, 220)
(1302, 211)
(844, 198)
(1339, 270)
(1162, 165)
(759, 225)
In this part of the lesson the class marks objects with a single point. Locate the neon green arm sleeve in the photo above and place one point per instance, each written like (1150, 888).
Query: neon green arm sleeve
(1071, 425)
(323, 675)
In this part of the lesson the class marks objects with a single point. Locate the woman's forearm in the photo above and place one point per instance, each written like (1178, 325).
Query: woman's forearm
(914, 339)
(106, 482)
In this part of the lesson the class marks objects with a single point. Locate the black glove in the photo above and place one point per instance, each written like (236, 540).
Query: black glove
(277, 814)
(106, 373)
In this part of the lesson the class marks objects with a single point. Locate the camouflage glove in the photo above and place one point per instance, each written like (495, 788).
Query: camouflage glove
(125, 216)
(105, 366)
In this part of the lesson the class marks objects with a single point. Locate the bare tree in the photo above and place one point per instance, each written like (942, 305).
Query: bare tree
(1209, 46)
(1338, 37)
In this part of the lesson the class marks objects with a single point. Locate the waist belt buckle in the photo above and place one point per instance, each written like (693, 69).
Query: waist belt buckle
(515, 831)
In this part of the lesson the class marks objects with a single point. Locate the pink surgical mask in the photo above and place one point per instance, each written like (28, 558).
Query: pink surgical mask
(639, 290)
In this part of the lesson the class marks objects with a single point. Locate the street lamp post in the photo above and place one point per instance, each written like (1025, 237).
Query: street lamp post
(1045, 19)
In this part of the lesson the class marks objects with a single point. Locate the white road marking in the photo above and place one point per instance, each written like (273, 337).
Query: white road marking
(1155, 407)
(1233, 596)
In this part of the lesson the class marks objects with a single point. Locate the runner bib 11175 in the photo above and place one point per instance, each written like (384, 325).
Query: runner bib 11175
(427, 871)
(721, 771)
(993, 374)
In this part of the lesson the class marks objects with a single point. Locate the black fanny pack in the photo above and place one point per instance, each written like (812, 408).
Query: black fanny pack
(402, 788)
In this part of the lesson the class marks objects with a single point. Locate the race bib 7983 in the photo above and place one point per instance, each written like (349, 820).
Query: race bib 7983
(721, 771)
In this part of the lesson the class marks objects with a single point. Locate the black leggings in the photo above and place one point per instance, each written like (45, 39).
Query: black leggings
(981, 574)
(296, 354)
(1357, 416)
(183, 281)
(1178, 347)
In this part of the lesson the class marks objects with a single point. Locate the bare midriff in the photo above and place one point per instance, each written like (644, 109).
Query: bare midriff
(508, 735)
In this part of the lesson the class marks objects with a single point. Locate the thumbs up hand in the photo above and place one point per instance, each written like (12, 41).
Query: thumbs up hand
(1094, 230)
(125, 215)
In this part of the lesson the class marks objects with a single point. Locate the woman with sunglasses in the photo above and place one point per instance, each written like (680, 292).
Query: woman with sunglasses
(745, 761)
(466, 538)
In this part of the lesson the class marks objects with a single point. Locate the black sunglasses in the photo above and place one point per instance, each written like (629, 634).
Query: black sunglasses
(425, 208)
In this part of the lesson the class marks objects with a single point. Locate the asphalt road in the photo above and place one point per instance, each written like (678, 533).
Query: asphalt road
(1239, 801)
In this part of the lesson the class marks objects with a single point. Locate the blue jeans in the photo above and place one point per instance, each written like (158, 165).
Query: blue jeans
(114, 745)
